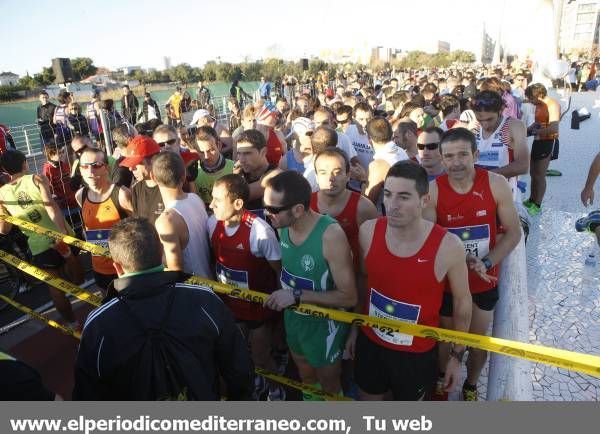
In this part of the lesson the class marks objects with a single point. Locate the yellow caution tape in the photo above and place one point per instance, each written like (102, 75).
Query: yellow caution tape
(301, 386)
(584, 363)
(83, 245)
(51, 279)
(267, 374)
(43, 318)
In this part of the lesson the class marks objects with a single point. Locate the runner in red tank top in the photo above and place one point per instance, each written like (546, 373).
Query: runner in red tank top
(472, 203)
(408, 261)
(349, 208)
(247, 255)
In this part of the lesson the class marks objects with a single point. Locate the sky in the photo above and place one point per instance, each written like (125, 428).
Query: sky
(117, 33)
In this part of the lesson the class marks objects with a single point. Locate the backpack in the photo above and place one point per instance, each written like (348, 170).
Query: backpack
(164, 366)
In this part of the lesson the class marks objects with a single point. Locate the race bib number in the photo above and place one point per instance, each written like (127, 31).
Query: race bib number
(486, 158)
(237, 278)
(291, 281)
(381, 306)
(98, 237)
(476, 239)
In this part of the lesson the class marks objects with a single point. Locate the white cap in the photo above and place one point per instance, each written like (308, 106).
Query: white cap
(199, 114)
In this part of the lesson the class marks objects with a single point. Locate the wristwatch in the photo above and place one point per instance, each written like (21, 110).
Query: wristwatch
(488, 264)
(458, 355)
(297, 293)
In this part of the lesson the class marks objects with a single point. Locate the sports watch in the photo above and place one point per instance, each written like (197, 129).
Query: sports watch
(297, 293)
(458, 355)
(488, 264)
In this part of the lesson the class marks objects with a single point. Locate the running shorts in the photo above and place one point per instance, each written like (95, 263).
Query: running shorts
(321, 341)
(541, 149)
(484, 300)
(377, 370)
(49, 260)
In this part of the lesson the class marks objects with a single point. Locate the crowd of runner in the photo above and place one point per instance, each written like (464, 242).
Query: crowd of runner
(395, 195)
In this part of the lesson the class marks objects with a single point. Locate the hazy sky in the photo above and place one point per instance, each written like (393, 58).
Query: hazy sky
(117, 33)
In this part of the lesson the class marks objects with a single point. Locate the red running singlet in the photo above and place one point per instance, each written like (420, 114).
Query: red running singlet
(472, 217)
(237, 266)
(347, 220)
(404, 289)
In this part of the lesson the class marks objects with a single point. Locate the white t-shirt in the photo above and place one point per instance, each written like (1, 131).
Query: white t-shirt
(263, 242)
(310, 174)
(360, 142)
(391, 154)
(345, 144)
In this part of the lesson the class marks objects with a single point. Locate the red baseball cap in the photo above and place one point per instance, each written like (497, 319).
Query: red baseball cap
(139, 148)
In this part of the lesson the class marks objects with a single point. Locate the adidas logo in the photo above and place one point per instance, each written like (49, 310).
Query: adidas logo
(240, 246)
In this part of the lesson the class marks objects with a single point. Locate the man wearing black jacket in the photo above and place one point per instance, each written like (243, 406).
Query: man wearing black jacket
(45, 115)
(129, 105)
(111, 351)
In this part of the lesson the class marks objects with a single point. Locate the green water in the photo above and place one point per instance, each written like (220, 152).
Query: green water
(24, 113)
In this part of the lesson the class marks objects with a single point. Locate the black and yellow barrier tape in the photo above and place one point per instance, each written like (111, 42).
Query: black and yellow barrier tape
(267, 374)
(41, 317)
(570, 360)
(50, 279)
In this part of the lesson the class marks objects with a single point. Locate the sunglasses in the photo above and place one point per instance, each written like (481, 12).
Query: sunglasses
(429, 146)
(94, 165)
(277, 209)
(484, 103)
(343, 121)
(167, 142)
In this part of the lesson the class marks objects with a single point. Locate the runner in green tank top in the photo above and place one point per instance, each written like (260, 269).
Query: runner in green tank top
(212, 164)
(28, 197)
(316, 269)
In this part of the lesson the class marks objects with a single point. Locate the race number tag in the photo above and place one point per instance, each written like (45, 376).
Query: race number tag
(98, 237)
(381, 306)
(291, 281)
(476, 239)
(237, 278)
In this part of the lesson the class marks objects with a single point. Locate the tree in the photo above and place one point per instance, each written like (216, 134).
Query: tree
(83, 67)
(45, 77)
(28, 82)
(210, 71)
(462, 56)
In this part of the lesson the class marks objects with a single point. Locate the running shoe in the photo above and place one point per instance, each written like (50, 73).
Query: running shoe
(589, 222)
(469, 394)
(532, 208)
(276, 394)
(438, 393)
(260, 388)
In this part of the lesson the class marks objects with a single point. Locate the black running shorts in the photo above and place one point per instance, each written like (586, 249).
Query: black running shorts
(377, 370)
(484, 300)
(48, 260)
(541, 149)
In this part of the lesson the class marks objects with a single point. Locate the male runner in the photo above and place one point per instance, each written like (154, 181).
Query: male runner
(501, 141)
(212, 164)
(247, 255)
(387, 153)
(252, 164)
(316, 269)
(146, 200)
(472, 203)
(591, 222)
(406, 262)
(349, 208)
(428, 146)
(28, 197)
(545, 146)
(102, 205)
(182, 225)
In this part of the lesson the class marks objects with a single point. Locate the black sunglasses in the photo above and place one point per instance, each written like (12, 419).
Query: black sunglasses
(429, 146)
(480, 103)
(277, 209)
(167, 142)
(343, 121)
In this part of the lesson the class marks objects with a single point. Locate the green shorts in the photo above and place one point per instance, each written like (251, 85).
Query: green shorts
(320, 341)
